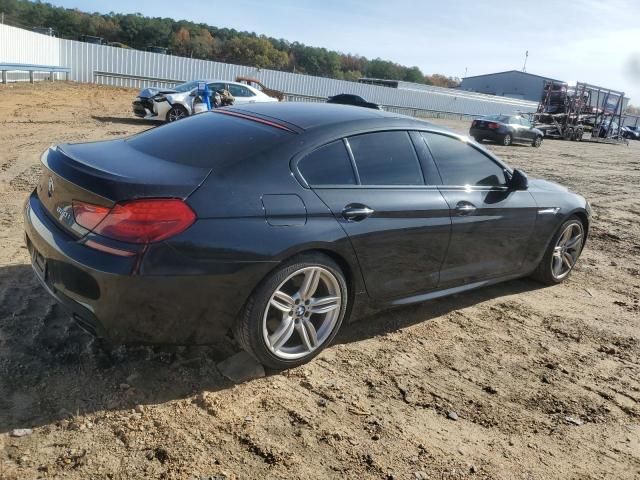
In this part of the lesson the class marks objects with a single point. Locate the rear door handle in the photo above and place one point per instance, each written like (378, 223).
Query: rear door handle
(356, 212)
(465, 208)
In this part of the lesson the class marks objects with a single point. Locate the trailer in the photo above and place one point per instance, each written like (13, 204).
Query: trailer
(581, 113)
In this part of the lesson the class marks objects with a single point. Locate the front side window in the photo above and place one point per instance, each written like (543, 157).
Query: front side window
(386, 158)
(461, 164)
(328, 165)
(214, 87)
(240, 91)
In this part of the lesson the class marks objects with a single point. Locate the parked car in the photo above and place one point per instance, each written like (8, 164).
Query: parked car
(506, 129)
(171, 104)
(355, 100)
(632, 133)
(183, 232)
(609, 129)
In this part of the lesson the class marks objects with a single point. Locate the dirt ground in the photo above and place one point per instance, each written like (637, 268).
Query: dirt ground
(513, 381)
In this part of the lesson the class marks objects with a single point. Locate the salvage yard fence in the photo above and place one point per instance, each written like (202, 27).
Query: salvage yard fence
(90, 63)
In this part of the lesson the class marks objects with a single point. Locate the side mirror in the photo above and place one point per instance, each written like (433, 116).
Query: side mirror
(519, 180)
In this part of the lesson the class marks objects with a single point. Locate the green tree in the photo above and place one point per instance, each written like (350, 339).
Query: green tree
(379, 68)
(413, 74)
(202, 44)
(256, 52)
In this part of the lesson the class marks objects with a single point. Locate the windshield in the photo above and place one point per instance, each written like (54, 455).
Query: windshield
(186, 87)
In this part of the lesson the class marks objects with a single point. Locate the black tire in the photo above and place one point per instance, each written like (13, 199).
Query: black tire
(478, 139)
(507, 140)
(249, 327)
(176, 112)
(537, 141)
(543, 273)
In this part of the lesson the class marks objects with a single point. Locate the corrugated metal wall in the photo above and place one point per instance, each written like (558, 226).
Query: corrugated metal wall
(84, 59)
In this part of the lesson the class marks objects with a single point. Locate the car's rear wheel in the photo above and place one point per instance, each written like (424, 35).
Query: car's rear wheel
(507, 140)
(562, 253)
(295, 313)
(478, 139)
(177, 112)
(537, 141)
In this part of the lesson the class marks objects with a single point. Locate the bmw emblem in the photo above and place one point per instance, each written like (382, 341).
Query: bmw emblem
(50, 187)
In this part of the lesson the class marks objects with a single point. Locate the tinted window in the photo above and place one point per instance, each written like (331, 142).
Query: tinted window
(386, 158)
(208, 140)
(328, 165)
(461, 164)
(497, 118)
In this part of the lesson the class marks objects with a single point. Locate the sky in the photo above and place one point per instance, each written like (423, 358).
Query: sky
(593, 41)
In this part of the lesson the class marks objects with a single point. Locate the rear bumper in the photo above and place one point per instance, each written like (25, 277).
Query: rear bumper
(105, 296)
(487, 134)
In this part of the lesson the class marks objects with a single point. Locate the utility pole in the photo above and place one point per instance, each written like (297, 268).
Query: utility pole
(2, 18)
(526, 56)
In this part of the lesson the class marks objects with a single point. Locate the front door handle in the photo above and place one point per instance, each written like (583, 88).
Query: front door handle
(356, 212)
(465, 208)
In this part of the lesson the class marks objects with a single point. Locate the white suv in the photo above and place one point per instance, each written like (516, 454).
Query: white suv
(171, 104)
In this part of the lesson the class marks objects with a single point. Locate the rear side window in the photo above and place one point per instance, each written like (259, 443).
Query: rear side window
(386, 158)
(328, 165)
(461, 164)
(208, 140)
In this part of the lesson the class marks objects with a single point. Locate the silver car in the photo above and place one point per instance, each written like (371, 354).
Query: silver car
(171, 104)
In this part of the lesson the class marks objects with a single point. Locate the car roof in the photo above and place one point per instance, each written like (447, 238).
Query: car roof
(311, 115)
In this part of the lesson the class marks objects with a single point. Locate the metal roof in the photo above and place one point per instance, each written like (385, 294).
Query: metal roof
(513, 71)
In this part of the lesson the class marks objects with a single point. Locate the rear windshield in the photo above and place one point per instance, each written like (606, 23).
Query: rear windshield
(208, 140)
(497, 118)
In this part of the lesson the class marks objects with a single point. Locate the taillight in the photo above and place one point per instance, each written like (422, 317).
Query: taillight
(89, 215)
(493, 126)
(137, 221)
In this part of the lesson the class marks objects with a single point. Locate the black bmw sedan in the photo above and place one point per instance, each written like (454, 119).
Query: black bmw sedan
(506, 129)
(281, 221)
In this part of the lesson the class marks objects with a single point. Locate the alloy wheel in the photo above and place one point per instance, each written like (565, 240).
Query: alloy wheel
(176, 114)
(302, 313)
(506, 141)
(567, 250)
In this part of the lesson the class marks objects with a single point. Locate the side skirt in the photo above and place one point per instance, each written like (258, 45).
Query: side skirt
(423, 297)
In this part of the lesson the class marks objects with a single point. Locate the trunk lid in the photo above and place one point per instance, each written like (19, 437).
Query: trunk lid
(481, 124)
(103, 173)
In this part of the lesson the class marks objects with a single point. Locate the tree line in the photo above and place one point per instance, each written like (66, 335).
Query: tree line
(199, 40)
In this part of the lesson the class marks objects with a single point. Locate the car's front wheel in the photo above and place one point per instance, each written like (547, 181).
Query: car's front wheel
(295, 313)
(562, 253)
(537, 141)
(176, 112)
(507, 139)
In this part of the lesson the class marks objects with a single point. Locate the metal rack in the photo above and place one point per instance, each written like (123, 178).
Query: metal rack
(569, 113)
